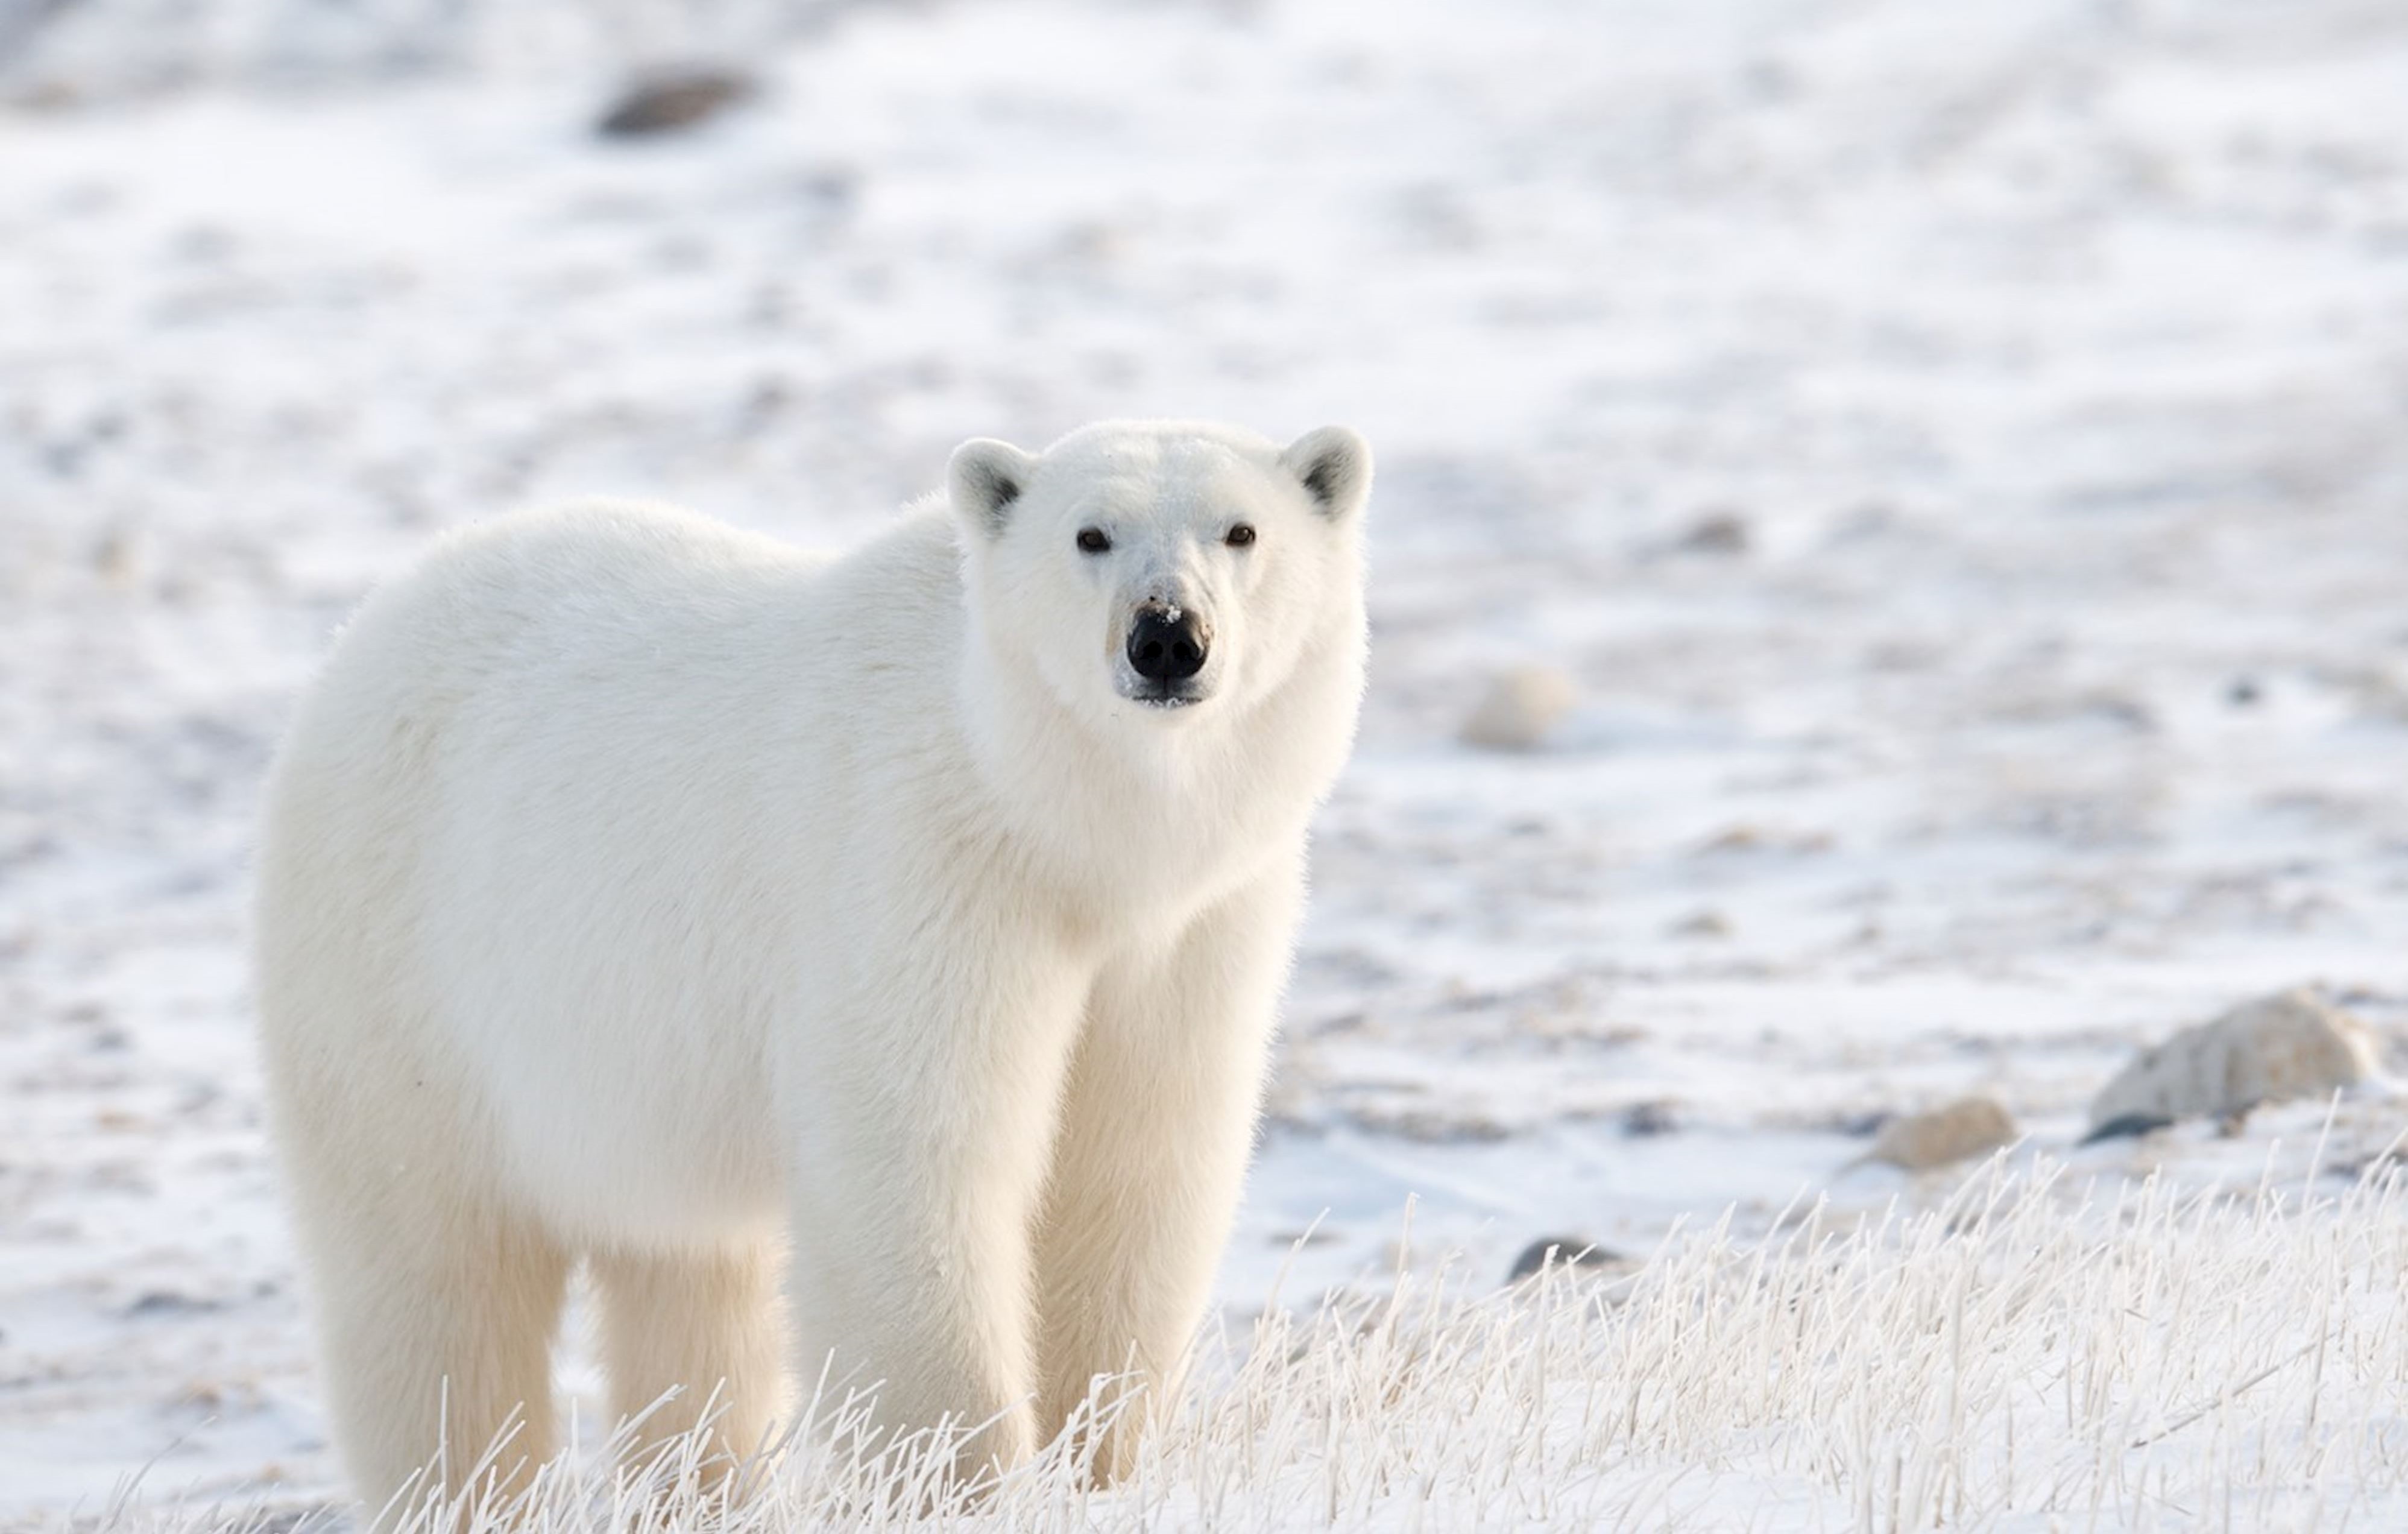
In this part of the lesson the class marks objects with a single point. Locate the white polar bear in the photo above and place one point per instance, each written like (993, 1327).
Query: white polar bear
(639, 890)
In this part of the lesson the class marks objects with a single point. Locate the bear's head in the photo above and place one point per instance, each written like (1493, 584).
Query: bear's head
(1164, 571)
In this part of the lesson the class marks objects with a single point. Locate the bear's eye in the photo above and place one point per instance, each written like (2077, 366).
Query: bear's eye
(1093, 540)
(1241, 535)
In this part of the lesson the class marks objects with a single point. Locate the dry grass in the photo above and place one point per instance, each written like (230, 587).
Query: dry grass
(2023, 1357)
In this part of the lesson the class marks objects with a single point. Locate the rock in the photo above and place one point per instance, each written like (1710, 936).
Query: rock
(1561, 1252)
(2292, 1045)
(1716, 532)
(170, 1302)
(1970, 1126)
(1432, 1126)
(673, 100)
(1704, 924)
(2126, 1127)
(1520, 706)
(117, 558)
(1758, 839)
(1647, 1120)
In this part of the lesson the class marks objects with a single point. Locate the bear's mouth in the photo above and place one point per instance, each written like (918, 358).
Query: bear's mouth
(1163, 694)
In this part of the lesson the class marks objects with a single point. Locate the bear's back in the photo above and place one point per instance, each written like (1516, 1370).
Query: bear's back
(629, 623)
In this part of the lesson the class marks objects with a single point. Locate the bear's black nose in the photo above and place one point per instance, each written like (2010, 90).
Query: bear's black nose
(1162, 648)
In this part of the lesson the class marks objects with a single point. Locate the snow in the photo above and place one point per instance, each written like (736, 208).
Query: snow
(2053, 694)
(2004, 1360)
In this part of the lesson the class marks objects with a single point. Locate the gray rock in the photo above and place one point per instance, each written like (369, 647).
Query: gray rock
(1716, 532)
(1647, 1120)
(671, 101)
(1560, 1251)
(2292, 1045)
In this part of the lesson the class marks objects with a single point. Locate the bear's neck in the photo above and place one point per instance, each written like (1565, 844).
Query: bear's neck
(1170, 816)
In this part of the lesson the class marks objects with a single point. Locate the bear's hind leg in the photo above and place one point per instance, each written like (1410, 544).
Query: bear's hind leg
(437, 1334)
(705, 1324)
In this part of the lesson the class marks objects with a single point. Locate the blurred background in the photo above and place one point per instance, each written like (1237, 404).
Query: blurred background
(1890, 552)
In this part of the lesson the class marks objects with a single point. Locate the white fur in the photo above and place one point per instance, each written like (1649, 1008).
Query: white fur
(636, 890)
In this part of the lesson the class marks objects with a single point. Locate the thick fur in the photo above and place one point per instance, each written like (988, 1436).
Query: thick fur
(639, 891)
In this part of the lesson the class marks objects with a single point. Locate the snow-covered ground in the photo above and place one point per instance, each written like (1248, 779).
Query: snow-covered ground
(1961, 452)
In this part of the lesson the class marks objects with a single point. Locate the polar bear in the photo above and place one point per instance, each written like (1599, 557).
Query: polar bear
(908, 922)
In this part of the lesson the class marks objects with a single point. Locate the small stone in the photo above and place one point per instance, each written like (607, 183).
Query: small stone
(1520, 706)
(1560, 1251)
(2292, 1045)
(1291, 1240)
(1704, 924)
(117, 558)
(1436, 1127)
(671, 101)
(169, 1302)
(1647, 1120)
(1968, 1128)
(1716, 532)
(1758, 839)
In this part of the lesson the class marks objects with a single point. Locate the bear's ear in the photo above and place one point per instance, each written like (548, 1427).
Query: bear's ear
(1335, 466)
(985, 478)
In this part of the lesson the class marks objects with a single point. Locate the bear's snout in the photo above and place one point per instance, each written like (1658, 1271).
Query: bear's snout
(1167, 644)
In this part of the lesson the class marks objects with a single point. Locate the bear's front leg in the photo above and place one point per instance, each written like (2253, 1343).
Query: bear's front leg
(923, 1103)
(1157, 1122)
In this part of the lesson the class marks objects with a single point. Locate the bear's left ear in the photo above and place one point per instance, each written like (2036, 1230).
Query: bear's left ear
(985, 477)
(1335, 466)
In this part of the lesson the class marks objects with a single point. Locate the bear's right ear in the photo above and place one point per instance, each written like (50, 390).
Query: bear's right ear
(985, 478)
(1335, 465)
